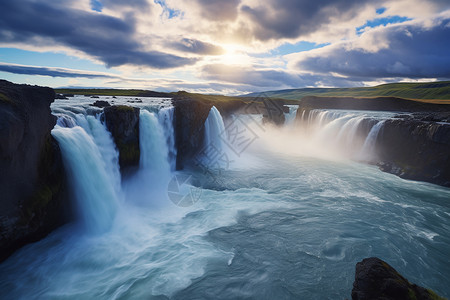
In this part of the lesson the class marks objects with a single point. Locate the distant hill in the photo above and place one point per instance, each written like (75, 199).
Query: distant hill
(434, 92)
(113, 92)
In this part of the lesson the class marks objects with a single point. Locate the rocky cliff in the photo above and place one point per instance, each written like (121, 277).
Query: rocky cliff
(123, 123)
(32, 180)
(189, 118)
(414, 148)
(375, 279)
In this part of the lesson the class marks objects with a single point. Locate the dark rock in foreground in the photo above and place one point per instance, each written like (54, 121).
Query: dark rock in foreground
(123, 123)
(32, 180)
(375, 279)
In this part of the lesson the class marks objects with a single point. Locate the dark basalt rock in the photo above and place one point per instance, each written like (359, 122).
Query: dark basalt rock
(123, 123)
(375, 279)
(101, 104)
(189, 118)
(95, 97)
(415, 149)
(32, 181)
(61, 97)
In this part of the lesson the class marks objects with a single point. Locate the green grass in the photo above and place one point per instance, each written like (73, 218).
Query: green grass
(434, 92)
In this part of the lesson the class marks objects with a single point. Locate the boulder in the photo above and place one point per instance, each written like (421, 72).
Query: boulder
(123, 123)
(32, 180)
(101, 104)
(61, 97)
(375, 279)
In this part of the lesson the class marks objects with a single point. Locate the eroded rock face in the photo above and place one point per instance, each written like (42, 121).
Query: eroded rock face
(375, 279)
(415, 149)
(123, 123)
(190, 116)
(32, 180)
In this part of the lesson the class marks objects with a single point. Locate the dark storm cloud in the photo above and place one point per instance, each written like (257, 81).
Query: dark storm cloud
(106, 38)
(47, 71)
(293, 18)
(197, 47)
(219, 10)
(413, 52)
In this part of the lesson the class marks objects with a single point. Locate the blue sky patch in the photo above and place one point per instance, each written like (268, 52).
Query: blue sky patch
(382, 21)
(96, 5)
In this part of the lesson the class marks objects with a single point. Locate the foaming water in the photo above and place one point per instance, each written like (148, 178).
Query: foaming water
(91, 181)
(279, 224)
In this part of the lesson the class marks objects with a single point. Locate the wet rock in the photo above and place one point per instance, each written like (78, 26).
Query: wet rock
(415, 149)
(32, 180)
(375, 279)
(61, 97)
(189, 118)
(95, 97)
(101, 103)
(123, 123)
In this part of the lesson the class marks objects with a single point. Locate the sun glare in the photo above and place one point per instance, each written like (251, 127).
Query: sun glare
(234, 55)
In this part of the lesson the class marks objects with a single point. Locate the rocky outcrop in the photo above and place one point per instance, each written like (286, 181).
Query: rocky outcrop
(123, 123)
(189, 118)
(415, 149)
(32, 181)
(101, 104)
(375, 279)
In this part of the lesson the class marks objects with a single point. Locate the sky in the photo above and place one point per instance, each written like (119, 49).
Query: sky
(223, 46)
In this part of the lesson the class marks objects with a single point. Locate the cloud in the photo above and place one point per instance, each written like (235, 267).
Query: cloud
(219, 10)
(410, 50)
(197, 47)
(264, 79)
(276, 19)
(106, 38)
(53, 72)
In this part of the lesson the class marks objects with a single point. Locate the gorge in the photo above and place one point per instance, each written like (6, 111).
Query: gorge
(188, 197)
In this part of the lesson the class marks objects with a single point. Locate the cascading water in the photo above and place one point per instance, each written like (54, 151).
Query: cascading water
(368, 151)
(349, 133)
(290, 117)
(149, 185)
(153, 144)
(214, 138)
(89, 176)
(165, 116)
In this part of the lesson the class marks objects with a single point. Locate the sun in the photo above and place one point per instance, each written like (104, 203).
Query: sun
(234, 55)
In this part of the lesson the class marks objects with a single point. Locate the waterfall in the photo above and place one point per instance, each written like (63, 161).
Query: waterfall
(66, 121)
(290, 117)
(154, 150)
(350, 133)
(166, 120)
(105, 143)
(214, 135)
(368, 150)
(89, 176)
